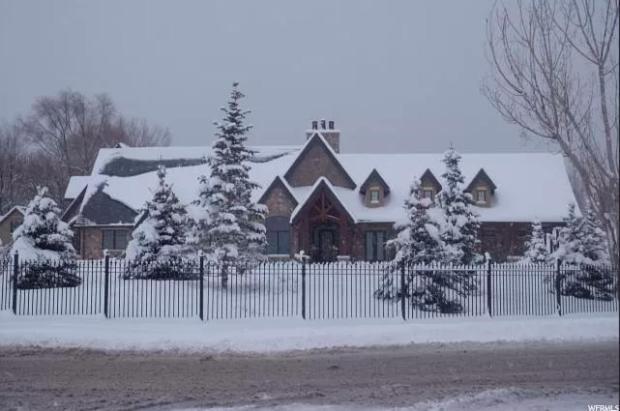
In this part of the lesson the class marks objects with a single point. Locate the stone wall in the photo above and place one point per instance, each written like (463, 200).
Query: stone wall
(316, 162)
(14, 219)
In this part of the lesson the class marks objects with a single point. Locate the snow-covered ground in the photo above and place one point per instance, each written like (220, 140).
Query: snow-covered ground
(278, 335)
(508, 399)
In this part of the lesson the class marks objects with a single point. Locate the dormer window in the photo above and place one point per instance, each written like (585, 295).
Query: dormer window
(374, 189)
(481, 189)
(375, 196)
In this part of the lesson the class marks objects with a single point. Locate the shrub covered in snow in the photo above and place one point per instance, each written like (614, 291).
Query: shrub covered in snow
(536, 251)
(43, 243)
(233, 228)
(459, 233)
(444, 233)
(582, 245)
(159, 243)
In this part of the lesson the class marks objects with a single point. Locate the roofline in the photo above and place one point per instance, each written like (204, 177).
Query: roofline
(318, 185)
(20, 209)
(72, 203)
(330, 151)
(482, 173)
(374, 172)
(273, 183)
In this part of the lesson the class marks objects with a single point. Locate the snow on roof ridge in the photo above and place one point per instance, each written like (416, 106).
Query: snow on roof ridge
(107, 154)
(20, 208)
(315, 186)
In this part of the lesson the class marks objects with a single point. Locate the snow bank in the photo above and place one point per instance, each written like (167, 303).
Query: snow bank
(503, 399)
(279, 335)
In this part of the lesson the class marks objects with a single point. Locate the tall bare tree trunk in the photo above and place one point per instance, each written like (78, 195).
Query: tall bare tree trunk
(554, 63)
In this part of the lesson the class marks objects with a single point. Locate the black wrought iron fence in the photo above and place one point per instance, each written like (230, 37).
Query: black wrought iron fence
(197, 288)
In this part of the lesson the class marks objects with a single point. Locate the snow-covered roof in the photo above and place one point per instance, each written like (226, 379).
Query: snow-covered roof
(75, 186)
(19, 209)
(529, 186)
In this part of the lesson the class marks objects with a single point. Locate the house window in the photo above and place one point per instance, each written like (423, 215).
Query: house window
(374, 196)
(428, 193)
(375, 245)
(278, 242)
(115, 239)
(481, 196)
(77, 241)
(278, 235)
(14, 225)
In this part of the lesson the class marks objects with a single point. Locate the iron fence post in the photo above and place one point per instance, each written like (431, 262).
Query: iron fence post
(15, 273)
(489, 292)
(303, 288)
(558, 286)
(202, 291)
(106, 285)
(403, 295)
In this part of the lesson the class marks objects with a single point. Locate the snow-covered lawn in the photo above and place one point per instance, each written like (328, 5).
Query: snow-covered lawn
(278, 335)
(275, 290)
(505, 399)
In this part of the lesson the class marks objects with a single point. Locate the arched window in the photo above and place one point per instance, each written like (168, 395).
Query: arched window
(278, 235)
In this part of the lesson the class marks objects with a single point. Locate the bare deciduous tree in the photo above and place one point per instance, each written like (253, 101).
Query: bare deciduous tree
(555, 75)
(68, 130)
(12, 155)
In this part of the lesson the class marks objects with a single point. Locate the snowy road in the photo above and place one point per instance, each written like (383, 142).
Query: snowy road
(340, 379)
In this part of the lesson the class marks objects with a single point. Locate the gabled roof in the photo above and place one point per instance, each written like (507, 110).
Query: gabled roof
(73, 208)
(374, 175)
(75, 186)
(278, 182)
(481, 176)
(321, 184)
(317, 138)
(428, 175)
(533, 185)
(19, 209)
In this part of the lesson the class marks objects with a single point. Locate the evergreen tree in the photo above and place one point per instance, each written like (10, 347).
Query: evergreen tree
(594, 243)
(233, 228)
(43, 242)
(460, 230)
(536, 251)
(419, 243)
(418, 240)
(159, 243)
(570, 246)
(582, 245)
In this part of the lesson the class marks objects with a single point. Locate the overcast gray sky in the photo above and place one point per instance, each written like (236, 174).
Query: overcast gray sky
(394, 75)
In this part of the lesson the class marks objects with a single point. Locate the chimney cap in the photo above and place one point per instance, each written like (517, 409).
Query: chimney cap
(315, 125)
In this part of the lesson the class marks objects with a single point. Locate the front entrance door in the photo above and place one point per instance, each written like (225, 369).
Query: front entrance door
(325, 243)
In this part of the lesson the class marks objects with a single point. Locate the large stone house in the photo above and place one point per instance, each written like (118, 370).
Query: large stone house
(327, 203)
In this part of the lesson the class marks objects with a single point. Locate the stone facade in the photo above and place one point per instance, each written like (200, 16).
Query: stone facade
(90, 240)
(278, 200)
(315, 162)
(10, 222)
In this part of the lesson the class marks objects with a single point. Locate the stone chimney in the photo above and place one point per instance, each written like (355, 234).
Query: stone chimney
(328, 131)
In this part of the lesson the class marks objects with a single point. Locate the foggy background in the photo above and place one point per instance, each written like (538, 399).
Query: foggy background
(394, 75)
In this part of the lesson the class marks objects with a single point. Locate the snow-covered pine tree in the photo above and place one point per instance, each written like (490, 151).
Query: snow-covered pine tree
(233, 228)
(593, 239)
(159, 243)
(459, 232)
(536, 252)
(43, 243)
(417, 242)
(582, 243)
(570, 246)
